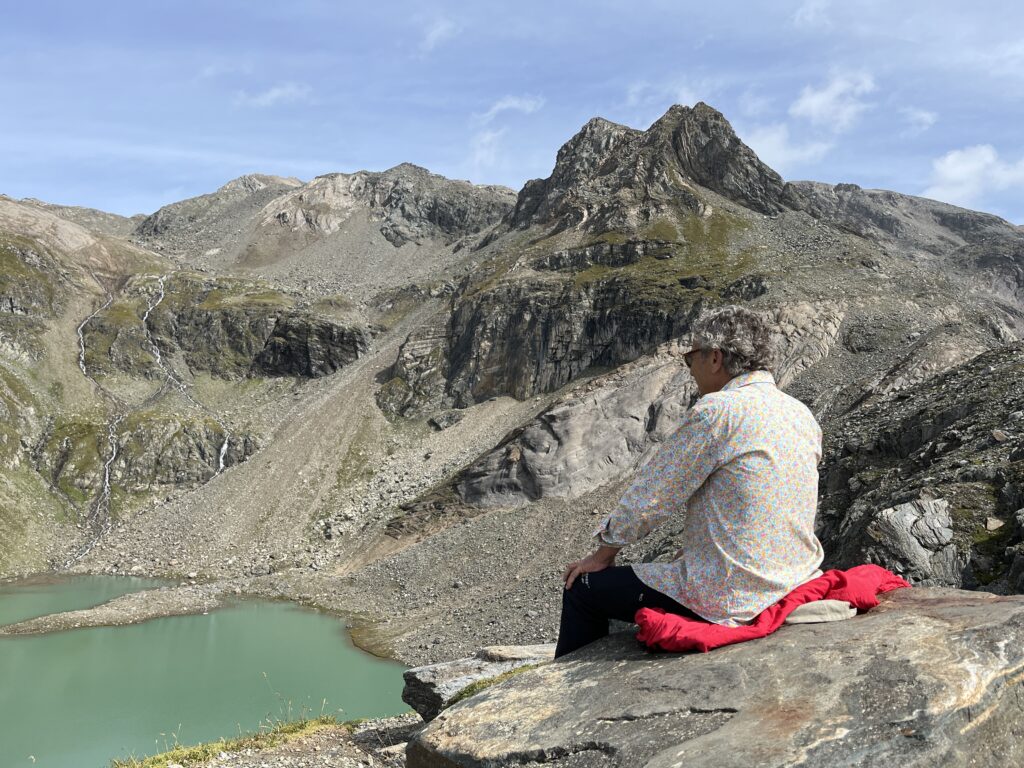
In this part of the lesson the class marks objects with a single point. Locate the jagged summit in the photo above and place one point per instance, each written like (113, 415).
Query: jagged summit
(609, 176)
(701, 143)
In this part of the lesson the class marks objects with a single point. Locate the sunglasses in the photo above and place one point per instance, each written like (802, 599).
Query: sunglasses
(688, 356)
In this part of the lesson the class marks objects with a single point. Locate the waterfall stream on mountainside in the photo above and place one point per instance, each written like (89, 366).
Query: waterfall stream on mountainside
(174, 379)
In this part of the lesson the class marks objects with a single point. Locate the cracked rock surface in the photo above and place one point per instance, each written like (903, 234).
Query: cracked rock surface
(928, 678)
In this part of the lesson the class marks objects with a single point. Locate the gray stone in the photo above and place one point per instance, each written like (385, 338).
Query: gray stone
(444, 420)
(916, 540)
(930, 677)
(429, 689)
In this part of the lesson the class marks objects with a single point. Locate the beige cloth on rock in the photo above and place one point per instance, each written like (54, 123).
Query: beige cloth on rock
(819, 611)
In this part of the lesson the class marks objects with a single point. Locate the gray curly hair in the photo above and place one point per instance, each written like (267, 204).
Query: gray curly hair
(743, 337)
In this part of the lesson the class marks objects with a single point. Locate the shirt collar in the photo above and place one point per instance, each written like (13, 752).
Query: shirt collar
(750, 377)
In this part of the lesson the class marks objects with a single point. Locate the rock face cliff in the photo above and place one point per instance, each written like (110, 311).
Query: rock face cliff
(930, 677)
(931, 482)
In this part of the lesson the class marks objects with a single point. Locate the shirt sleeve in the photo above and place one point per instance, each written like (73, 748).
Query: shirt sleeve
(665, 483)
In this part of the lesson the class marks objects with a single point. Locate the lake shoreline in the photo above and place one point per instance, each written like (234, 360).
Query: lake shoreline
(286, 654)
(195, 598)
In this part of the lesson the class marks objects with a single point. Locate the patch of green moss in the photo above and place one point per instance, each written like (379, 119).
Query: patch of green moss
(188, 290)
(10, 262)
(707, 250)
(239, 295)
(612, 238)
(16, 275)
(75, 454)
(490, 274)
(28, 511)
(16, 391)
(990, 545)
(123, 313)
(970, 503)
(480, 685)
(662, 229)
(593, 274)
(272, 736)
(120, 326)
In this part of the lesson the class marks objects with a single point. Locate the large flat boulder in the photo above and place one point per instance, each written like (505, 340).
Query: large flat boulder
(431, 688)
(930, 677)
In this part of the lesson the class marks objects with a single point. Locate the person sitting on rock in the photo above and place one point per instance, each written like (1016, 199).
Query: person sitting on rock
(742, 468)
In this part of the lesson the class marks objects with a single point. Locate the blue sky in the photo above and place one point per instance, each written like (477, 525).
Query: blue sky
(128, 106)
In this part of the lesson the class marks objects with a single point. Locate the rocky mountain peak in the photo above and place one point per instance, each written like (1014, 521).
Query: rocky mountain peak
(585, 153)
(701, 144)
(254, 182)
(610, 176)
(206, 221)
(412, 204)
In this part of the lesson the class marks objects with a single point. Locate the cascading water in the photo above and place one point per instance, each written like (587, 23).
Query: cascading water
(173, 379)
(145, 323)
(81, 336)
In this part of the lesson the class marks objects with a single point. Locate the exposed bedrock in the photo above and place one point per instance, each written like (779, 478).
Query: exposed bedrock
(410, 203)
(434, 687)
(155, 453)
(610, 177)
(911, 224)
(531, 336)
(930, 677)
(229, 328)
(161, 452)
(233, 342)
(929, 480)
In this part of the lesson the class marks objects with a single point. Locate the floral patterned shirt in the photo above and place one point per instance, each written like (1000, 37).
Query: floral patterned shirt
(743, 468)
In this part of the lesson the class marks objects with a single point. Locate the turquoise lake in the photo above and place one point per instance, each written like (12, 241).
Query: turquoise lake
(79, 698)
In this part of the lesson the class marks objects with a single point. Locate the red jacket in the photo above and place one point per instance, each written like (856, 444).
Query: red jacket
(859, 586)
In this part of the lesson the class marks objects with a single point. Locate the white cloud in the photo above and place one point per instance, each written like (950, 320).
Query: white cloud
(773, 145)
(437, 32)
(963, 176)
(917, 120)
(838, 104)
(525, 104)
(483, 151)
(1005, 58)
(812, 13)
(285, 93)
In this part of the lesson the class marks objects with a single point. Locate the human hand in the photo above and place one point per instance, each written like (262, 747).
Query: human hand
(597, 560)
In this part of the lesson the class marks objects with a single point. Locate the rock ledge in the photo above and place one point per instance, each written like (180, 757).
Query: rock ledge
(930, 677)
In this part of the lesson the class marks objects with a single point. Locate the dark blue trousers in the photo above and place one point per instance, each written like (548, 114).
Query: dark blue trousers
(614, 593)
